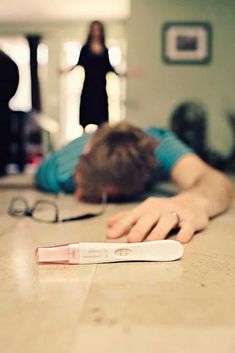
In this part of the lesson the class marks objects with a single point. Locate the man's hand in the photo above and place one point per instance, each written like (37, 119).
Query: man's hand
(205, 193)
(156, 217)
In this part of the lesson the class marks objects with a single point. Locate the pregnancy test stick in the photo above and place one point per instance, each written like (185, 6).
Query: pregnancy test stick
(95, 253)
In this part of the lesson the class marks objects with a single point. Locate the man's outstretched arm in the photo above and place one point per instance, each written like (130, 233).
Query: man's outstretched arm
(204, 193)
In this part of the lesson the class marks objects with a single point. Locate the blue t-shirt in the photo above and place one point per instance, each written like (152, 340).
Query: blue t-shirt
(56, 172)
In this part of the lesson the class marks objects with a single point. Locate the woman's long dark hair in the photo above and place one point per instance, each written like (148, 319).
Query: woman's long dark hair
(102, 34)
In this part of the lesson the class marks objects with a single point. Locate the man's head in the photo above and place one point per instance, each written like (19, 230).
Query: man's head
(118, 161)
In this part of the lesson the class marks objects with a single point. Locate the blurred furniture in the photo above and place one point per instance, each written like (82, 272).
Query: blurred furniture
(18, 139)
(25, 139)
(49, 127)
(231, 158)
(189, 122)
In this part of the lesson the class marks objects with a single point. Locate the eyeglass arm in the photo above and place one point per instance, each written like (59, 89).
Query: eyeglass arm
(81, 217)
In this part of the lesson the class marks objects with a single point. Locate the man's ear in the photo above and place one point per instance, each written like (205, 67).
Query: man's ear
(78, 193)
(87, 148)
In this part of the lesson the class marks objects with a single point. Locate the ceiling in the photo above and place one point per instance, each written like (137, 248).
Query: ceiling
(62, 10)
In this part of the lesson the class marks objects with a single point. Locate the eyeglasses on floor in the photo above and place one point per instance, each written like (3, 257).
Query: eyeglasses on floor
(47, 211)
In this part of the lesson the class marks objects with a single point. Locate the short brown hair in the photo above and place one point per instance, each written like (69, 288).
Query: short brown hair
(121, 156)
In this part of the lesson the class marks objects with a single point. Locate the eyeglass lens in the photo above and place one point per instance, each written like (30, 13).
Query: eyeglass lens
(18, 207)
(44, 211)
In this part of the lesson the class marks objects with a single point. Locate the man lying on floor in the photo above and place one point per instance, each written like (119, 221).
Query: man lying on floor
(122, 161)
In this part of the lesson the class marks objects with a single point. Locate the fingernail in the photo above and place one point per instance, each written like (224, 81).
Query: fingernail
(111, 234)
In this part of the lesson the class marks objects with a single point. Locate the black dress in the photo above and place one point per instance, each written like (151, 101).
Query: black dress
(94, 100)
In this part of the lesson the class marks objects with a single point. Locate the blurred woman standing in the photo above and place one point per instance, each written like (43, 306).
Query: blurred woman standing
(94, 59)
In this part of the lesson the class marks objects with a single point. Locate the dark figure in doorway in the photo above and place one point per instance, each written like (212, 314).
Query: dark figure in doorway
(95, 61)
(9, 80)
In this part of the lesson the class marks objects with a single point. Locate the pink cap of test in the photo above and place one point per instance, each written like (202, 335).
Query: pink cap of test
(60, 254)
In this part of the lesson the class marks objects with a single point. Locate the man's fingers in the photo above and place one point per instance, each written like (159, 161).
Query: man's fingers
(112, 220)
(166, 223)
(137, 211)
(142, 227)
(186, 233)
(122, 226)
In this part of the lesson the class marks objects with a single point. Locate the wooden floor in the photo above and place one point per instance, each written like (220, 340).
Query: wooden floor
(184, 306)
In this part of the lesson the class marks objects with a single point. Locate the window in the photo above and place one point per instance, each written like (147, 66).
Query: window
(17, 48)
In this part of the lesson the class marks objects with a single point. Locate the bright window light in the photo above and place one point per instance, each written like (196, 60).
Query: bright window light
(73, 131)
(72, 52)
(91, 128)
(42, 54)
(18, 49)
(115, 55)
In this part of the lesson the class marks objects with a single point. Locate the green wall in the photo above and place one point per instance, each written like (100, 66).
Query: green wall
(151, 99)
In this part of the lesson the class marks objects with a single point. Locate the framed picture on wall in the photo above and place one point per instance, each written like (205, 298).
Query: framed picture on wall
(186, 43)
